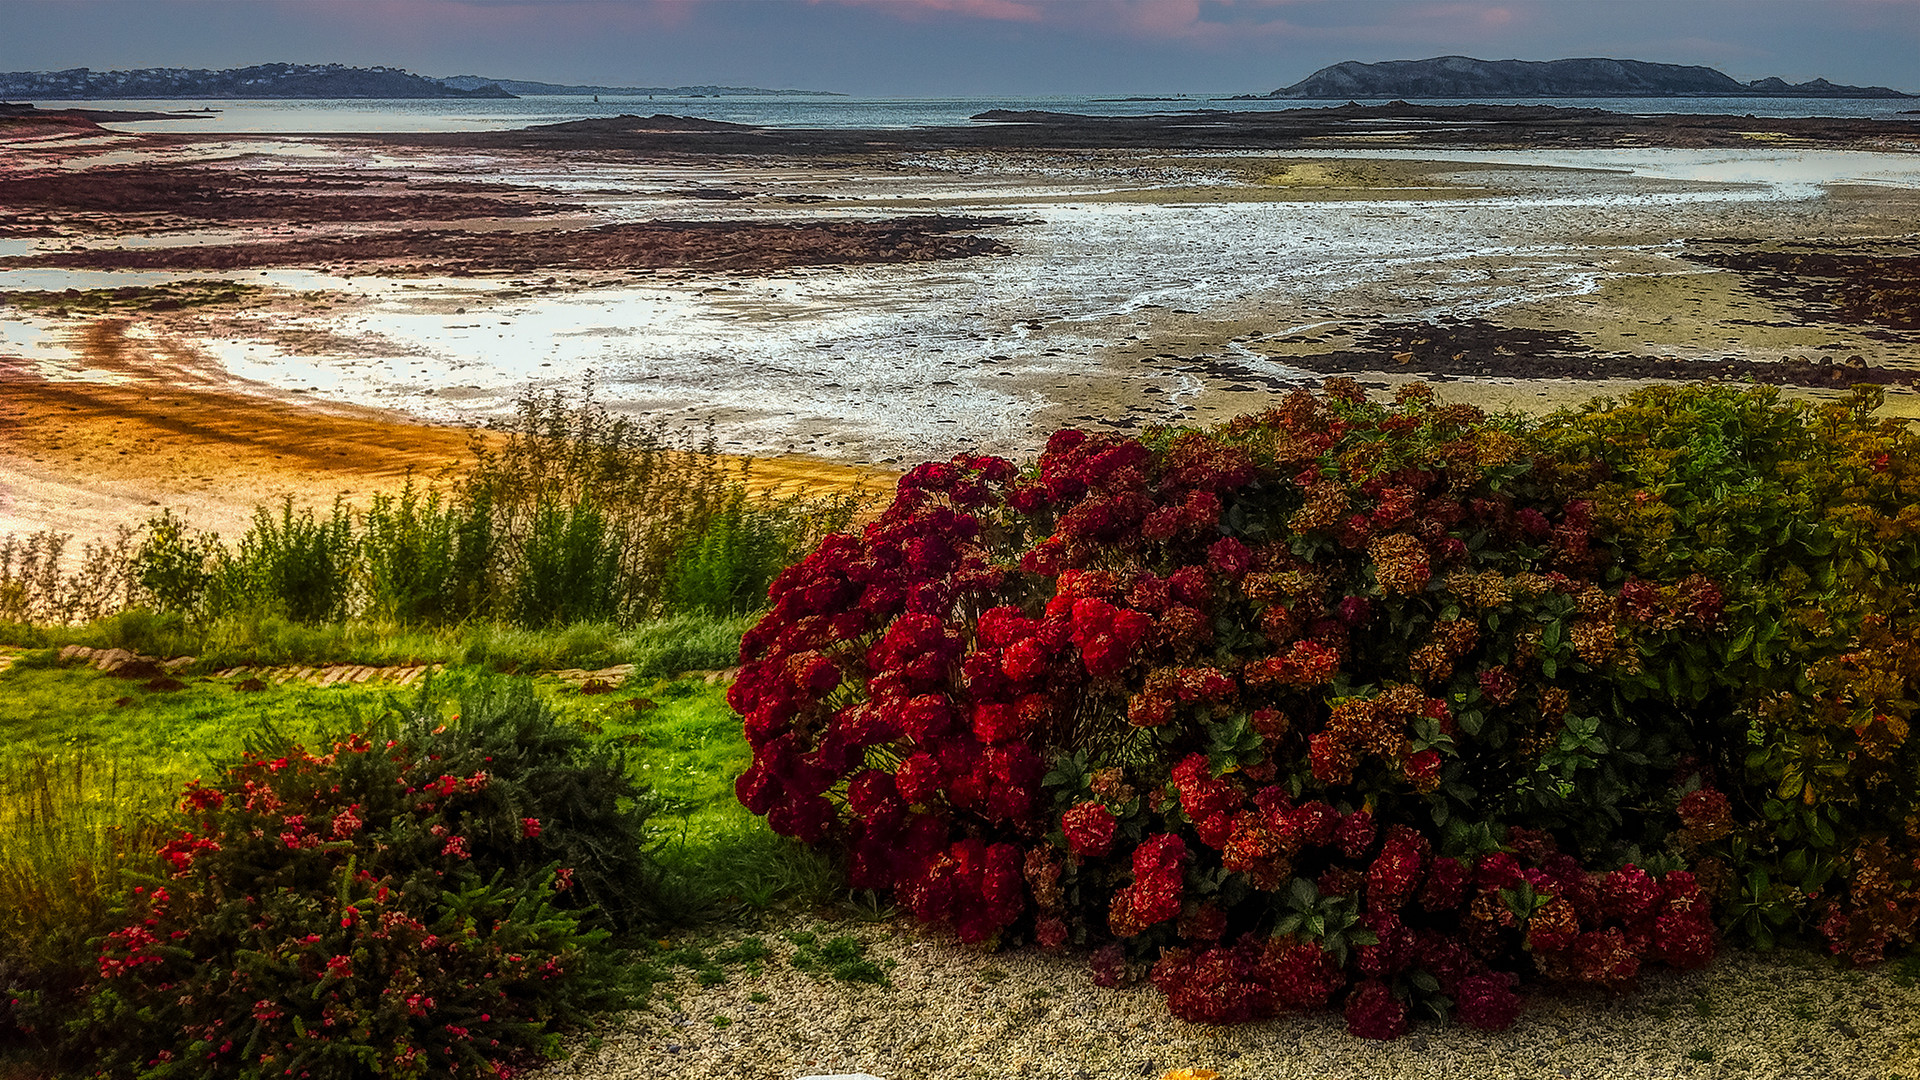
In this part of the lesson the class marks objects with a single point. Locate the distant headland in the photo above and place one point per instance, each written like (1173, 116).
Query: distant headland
(312, 81)
(258, 81)
(1591, 77)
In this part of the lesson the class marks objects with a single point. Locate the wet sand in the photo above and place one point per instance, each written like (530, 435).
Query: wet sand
(85, 456)
(846, 306)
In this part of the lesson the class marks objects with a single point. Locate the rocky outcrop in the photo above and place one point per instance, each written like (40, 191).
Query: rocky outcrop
(1466, 77)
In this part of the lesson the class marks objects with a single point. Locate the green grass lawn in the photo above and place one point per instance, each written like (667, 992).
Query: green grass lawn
(89, 763)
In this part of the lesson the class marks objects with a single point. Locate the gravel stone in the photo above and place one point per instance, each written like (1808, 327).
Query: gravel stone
(950, 1012)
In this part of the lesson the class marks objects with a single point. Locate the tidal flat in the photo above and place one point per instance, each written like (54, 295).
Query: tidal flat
(862, 302)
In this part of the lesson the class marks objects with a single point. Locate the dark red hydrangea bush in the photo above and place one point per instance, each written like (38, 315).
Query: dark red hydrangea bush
(390, 907)
(1319, 709)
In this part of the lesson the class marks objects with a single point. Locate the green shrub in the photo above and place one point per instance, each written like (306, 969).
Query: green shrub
(1806, 518)
(680, 643)
(727, 565)
(291, 564)
(427, 898)
(71, 828)
(567, 569)
(36, 587)
(174, 567)
(409, 554)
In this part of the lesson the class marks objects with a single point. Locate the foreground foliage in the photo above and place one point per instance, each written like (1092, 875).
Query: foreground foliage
(1389, 708)
(427, 897)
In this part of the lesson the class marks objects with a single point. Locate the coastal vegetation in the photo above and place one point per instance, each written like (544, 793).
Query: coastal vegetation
(1399, 709)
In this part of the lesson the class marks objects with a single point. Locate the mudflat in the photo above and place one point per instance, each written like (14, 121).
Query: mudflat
(209, 323)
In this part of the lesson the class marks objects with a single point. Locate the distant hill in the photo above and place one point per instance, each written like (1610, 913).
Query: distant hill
(1465, 77)
(259, 81)
(540, 89)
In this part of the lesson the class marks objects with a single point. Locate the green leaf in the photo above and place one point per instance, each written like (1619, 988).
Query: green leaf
(1741, 643)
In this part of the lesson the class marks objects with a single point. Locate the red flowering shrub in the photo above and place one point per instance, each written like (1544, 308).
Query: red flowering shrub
(1341, 704)
(386, 908)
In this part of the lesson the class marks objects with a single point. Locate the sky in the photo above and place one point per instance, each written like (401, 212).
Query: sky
(958, 48)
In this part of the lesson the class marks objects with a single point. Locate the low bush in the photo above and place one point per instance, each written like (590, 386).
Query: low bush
(1350, 705)
(426, 898)
(1807, 519)
(36, 586)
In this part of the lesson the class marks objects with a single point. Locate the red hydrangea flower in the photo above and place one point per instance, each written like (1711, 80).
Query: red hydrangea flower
(1107, 636)
(1050, 932)
(1026, 661)
(1422, 770)
(1302, 974)
(1158, 880)
(1630, 892)
(1215, 986)
(1089, 828)
(1313, 823)
(1374, 1013)
(1487, 1001)
(1391, 878)
(1355, 834)
(1446, 885)
(1707, 814)
(1605, 957)
(1331, 760)
(918, 778)
(1683, 939)
(1497, 870)
(1499, 685)
(1229, 557)
(1202, 794)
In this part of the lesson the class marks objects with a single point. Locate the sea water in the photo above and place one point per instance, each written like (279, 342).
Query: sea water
(488, 114)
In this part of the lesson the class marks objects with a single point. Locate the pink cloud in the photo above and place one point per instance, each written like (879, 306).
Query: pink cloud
(995, 10)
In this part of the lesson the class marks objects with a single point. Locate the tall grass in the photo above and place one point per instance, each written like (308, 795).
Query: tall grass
(599, 516)
(71, 828)
(567, 514)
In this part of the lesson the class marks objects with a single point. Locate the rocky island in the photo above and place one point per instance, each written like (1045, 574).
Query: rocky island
(1466, 77)
(258, 81)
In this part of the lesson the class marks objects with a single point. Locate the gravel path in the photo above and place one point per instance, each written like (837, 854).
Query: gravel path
(951, 1012)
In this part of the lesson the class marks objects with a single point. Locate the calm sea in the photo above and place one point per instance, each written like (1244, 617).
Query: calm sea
(330, 115)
